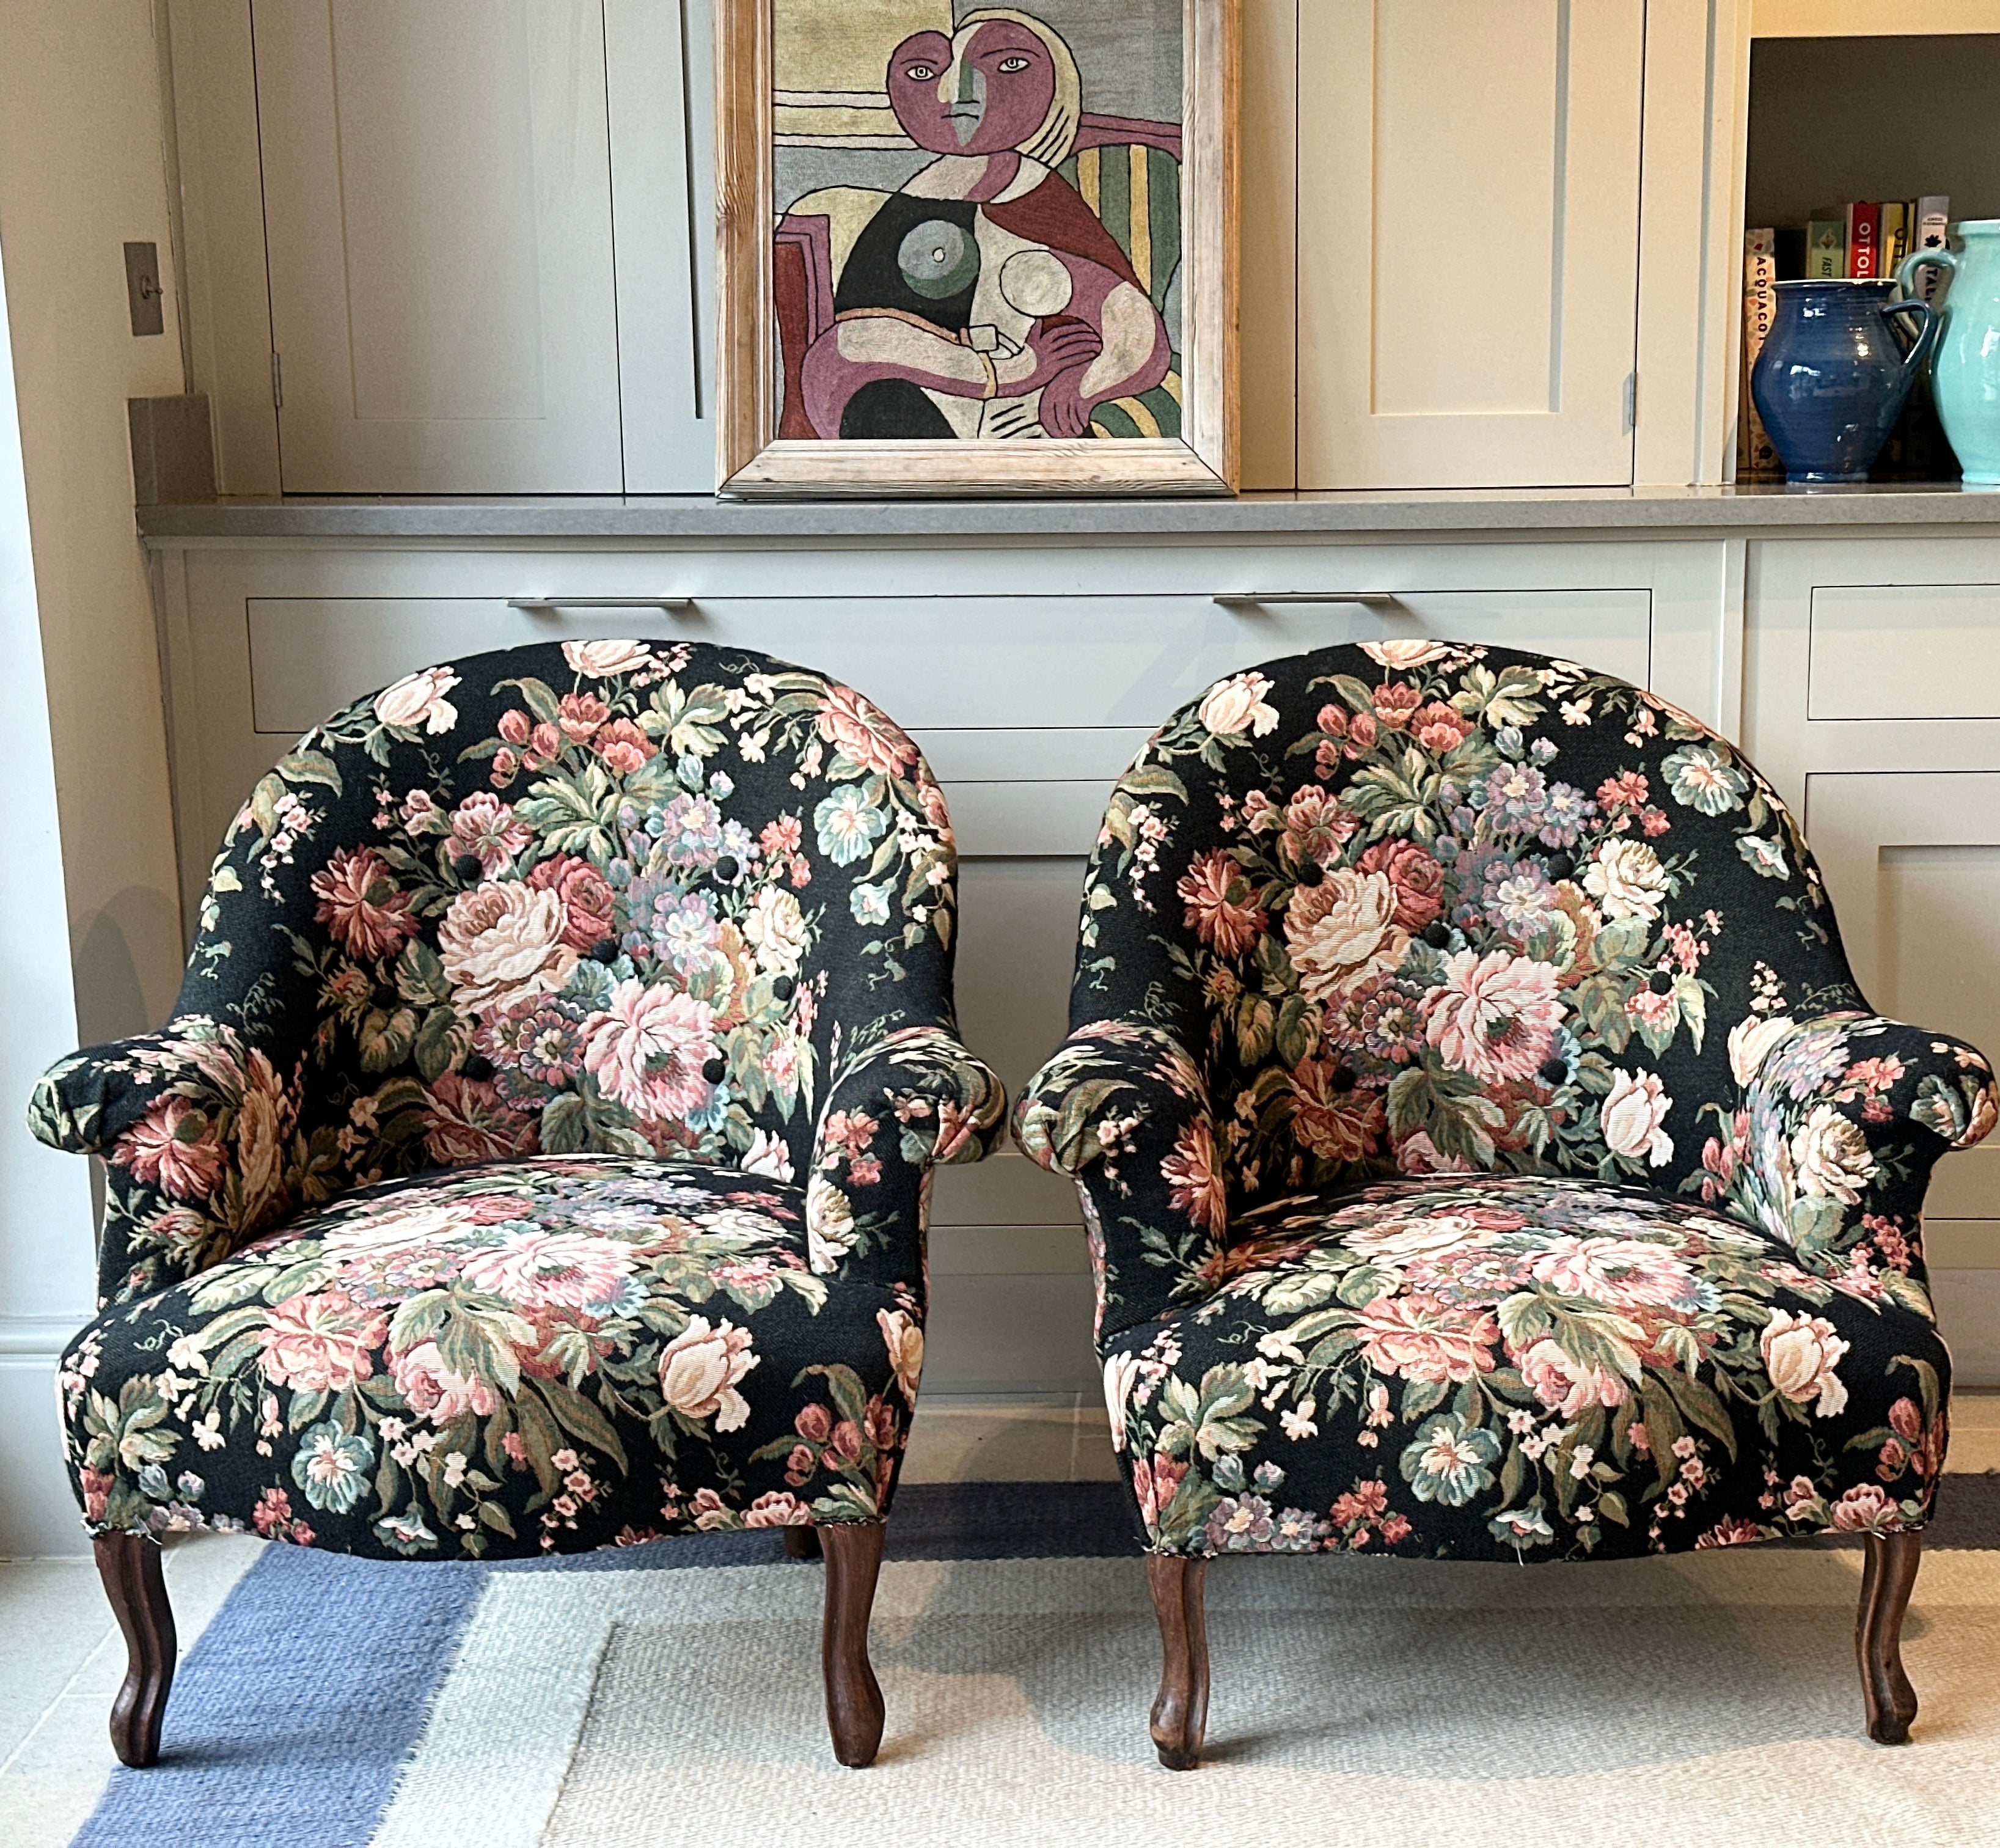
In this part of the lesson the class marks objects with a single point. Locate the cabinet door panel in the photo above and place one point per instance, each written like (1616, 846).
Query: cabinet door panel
(1912, 861)
(437, 197)
(1467, 241)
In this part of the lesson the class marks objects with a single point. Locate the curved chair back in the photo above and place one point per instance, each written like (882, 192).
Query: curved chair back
(646, 897)
(1416, 906)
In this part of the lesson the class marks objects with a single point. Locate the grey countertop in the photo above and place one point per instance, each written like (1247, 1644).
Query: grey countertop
(583, 517)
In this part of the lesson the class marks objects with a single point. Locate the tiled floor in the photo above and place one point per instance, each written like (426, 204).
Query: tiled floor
(61, 1657)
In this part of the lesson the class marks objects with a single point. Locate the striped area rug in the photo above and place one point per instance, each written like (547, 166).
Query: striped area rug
(670, 1694)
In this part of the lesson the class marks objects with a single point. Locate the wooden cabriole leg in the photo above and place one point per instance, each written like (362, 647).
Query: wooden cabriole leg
(1180, 1712)
(853, 1698)
(1886, 1580)
(802, 1543)
(129, 1564)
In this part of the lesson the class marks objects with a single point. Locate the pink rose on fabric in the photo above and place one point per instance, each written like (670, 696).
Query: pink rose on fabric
(322, 1341)
(361, 904)
(1565, 1384)
(1221, 910)
(1416, 1337)
(1196, 1179)
(501, 942)
(433, 1390)
(567, 1270)
(699, 1369)
(580, 715)
(775, 1507)
(484, 826)
(1627, 1271)
(1494, 1016)
(589, 904)
(174, 1146)
(1418, 1154)
(623, 746)
(1414, 872)
(1865, 1509)
(864, 734)
(1343, 930)
(648, 1049)
(466, 1119)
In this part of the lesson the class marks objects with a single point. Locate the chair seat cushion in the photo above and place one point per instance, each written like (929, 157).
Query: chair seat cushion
(1515, 1366)
(549, 1355)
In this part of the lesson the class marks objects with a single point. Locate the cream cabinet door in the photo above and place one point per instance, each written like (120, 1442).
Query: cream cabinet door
(1912, 860)
(437, 209)
(1467, 234)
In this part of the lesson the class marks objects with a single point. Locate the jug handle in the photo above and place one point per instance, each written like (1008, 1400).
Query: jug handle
(1920, 347)
(1942, 257)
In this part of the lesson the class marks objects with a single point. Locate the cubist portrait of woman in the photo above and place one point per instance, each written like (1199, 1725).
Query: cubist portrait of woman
(1018, 277)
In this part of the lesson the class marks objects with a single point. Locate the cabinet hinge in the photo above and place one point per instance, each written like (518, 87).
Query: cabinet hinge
(1631, 402)
(277, 381)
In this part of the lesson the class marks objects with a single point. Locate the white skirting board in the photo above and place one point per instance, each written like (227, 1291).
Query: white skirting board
(38, 1515)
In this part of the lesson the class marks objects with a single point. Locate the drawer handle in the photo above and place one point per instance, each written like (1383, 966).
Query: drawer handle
(600, 602)
(1249, 599)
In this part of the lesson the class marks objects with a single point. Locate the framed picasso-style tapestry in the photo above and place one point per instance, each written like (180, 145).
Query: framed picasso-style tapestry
(973, 249)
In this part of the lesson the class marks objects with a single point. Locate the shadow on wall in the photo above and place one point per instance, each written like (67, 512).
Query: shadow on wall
(111, 998)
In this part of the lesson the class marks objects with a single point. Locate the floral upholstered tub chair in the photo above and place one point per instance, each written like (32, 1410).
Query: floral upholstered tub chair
(538, 1158)
(1485, 1151)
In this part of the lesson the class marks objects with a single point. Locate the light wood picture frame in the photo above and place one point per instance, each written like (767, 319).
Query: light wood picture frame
(879, 311)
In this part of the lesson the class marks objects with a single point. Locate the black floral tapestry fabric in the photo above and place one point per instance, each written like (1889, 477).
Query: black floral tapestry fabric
(1484, 1148)
(540, 1154)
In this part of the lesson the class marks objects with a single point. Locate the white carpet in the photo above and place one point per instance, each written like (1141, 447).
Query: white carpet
(1707, 1701)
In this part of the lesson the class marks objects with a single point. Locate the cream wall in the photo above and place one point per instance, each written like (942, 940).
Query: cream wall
(81, 172)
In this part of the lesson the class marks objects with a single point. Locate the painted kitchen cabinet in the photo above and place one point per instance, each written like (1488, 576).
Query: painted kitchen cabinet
(1468, 236)
(467, 258)
(1873, 701)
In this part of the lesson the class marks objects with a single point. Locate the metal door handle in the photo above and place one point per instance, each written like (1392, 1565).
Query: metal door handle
(600, 602)
(1249, 599)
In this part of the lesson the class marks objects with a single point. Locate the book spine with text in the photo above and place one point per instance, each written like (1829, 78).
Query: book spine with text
(1864, 228)
(1756, 457)
(1931, 232)
(1893, 242)
(1826, 247)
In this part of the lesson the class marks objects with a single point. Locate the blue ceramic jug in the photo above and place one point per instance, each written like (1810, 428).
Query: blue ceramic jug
(1965, 371)
(1831, 378)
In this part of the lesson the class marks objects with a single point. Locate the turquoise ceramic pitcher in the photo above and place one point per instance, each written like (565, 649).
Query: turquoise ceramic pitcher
(1965, 362)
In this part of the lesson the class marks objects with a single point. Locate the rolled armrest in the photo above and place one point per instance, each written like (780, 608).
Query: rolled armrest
(193, 1123)
(1123, 1108)
(1840, 1120)
(903, 1106)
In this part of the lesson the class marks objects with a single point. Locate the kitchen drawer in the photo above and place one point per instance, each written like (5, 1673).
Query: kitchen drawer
(1904, 651)
(976, 662)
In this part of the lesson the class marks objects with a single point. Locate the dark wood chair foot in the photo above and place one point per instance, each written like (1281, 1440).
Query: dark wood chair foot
(129, 1564)
(802, 1543)
(1180, 1711)
(1886, 1580)
(854, 1710)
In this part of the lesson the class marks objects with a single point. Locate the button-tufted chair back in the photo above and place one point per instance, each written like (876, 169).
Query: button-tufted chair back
(643, 897)
(1416, 907)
